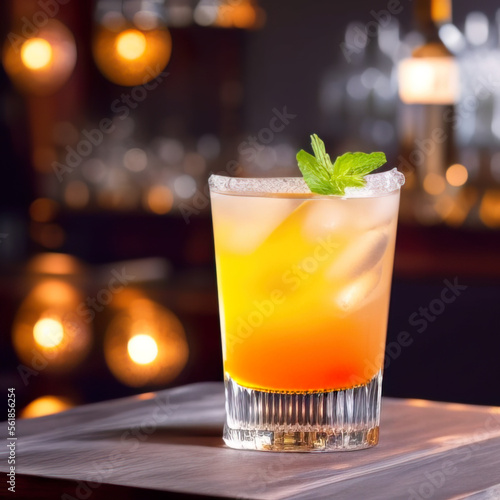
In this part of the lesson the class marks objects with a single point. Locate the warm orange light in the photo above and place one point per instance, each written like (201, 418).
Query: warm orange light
(36, 53)
(419, 403)
(441, 11)
(48, 332)
(457, 175)
(51, 329)
(40, 65)
(43, 210)
(76, 194)
(243, 14)
(454, 210)
(159, 199)
(55, 263)
(131, 44)
(428, 80)
(45, 405)
(142, 349)
(132, 57)
(54, 292)
(145, 345)
(459, 407)
(434, 184)
(145, 396)
(489, 210)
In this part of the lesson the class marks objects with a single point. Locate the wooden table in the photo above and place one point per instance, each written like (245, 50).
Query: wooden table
(170, 441)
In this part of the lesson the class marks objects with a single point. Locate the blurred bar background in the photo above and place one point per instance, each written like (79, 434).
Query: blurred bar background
(115, 112)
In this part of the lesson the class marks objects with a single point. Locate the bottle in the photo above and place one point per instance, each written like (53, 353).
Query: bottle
(428, 88)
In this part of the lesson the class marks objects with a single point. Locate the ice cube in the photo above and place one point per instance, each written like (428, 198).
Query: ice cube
(360, 255)
(358, 292)
(323, 217)
(242, 223)
(375, 212)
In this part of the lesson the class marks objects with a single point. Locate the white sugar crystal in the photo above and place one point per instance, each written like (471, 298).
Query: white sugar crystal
(376, 185)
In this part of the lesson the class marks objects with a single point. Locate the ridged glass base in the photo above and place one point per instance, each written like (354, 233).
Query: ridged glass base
(342, 420)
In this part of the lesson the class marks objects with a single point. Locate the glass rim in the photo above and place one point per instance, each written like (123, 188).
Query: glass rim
(378, 185)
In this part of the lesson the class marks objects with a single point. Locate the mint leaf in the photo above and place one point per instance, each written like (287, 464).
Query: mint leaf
(319, 151)
(358, 163)
(315, 175)
(323, 177)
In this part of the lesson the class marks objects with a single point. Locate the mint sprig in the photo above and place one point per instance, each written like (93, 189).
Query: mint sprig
(324, 177)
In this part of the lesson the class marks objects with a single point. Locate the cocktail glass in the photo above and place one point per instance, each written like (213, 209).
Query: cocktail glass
(303, 283)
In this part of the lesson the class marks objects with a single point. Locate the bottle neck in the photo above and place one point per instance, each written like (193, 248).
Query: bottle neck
(430, 15)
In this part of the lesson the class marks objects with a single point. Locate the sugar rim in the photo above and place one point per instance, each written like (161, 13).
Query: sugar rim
(380, 184)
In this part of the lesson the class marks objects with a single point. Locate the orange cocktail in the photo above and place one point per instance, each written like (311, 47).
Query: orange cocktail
(304, 283)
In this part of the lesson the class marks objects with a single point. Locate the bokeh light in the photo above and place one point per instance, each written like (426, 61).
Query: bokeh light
(48, 332)
(131, 44)
(46, 405)
(434, 184)
(179, 13)
(170, 151)
(456, 175)
(428, 80)
(476, 28)
(55, 264)
(455, 209)
(135, 160)
(185, 186)
(142, 349)
(36, 53)
(41, 64)
(76, 194)
(131, 56)
(440, 11)
(489, 210)
(159, 199)
(145, 344)
(50, 328)
(243, 14)
(43, 210)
